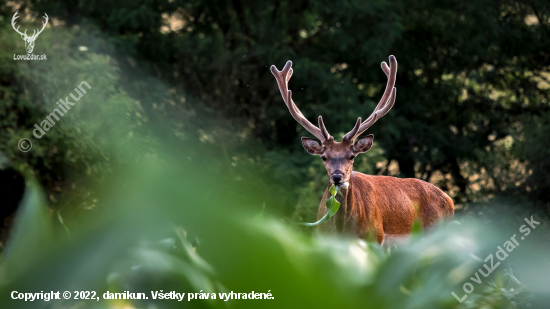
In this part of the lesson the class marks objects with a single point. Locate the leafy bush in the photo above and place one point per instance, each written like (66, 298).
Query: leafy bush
(84, 145)
(141, 242)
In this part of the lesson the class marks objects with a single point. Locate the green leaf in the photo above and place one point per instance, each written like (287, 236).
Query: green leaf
(335, 205)
(416, 227)
(370, 236)
(332, 190)
(322, 220)
(332, 205)
(32, 234)
(60, 218)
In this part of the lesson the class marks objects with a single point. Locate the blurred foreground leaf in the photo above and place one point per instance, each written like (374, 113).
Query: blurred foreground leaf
(32, 233)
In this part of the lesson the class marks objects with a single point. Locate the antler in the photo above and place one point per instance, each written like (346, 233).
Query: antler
(34, 34)
(282, 78)
(13, 24)
(43, 26)
(384, 106)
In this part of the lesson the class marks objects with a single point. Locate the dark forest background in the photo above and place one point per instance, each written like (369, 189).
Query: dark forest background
(182, 170)
(472, 112)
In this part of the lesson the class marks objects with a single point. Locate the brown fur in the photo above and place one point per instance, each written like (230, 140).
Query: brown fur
(385, 204)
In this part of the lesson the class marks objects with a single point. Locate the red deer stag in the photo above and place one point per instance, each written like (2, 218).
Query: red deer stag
(384, 205)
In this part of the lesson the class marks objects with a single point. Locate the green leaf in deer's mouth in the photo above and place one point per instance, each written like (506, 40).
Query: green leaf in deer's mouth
(332, 207)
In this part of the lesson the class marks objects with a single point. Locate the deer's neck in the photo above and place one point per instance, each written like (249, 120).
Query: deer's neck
(344, 219)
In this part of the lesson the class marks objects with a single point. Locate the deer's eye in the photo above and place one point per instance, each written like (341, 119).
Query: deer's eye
(324, 158)
(352, 157)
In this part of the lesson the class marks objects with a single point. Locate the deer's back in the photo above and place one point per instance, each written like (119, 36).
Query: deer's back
(398, 201)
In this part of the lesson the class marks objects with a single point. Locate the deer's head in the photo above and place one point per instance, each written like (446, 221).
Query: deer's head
(338, 156)
(29, 40)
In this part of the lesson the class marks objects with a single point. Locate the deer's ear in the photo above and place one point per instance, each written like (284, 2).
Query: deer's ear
(363, 145)
(312, 146)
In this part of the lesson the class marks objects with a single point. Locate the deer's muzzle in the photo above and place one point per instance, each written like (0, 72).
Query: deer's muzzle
(336, 177)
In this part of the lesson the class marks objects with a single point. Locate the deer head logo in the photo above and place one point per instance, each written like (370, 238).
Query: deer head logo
(29, 40)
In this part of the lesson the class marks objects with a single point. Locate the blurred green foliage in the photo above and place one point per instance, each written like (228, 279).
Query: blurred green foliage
(152, 180)
(84, 144)
(142, 242)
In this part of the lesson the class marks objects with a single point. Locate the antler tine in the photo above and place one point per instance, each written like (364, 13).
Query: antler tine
(349, 136)
(385, 104)
(385, 68)
(43, 25)
(324, 131)
(378, 113)
(13, 24)
(282, 78)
